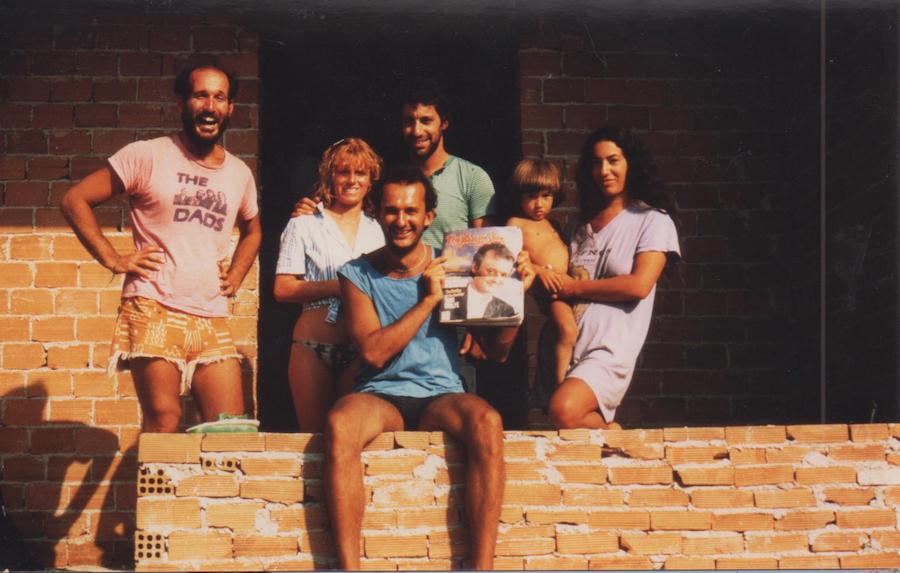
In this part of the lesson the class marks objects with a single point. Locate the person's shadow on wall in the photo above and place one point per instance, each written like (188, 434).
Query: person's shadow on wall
(53, 468)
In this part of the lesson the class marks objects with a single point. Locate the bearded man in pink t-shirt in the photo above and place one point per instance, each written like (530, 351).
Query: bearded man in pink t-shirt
(186, 195)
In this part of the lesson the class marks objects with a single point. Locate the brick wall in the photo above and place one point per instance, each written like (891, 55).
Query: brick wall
(759, 497)
(711, 95)
(74, 88)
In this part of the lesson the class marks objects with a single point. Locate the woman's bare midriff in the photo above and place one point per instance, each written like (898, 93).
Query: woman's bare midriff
(312, 326)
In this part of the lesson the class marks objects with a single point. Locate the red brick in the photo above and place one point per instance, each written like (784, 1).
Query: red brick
(26, 142)
(838, 542)
(48, 168)
(539, 63)
(619, 519)
(721, 498)
(871, 561)
(588, 542)
(97, 64)
(581, 473)
(755, 435)
(276, 490)
(808, 562)
(763, 475)
(26, 194)
(396, 546)
(180, 513)
(885, 539)
(646, 475)
(866, 518)
(264, 546)
(651, 543)
(115, 90)
(24, 89)
(207, 486)
(699, 475)
(695, 454)
(620, 563)
(796, 497)
(96, 115)
(23, 356)
(854, 453)
(12, 167)
(747, 456)
(850, 496)
(563, 90)
(712, 545)
(682, 562)
(74, 142)
(819, 433)
(52, 116)
(869, 432)
(657, 498)
(680, 520)
(742, 522)
(797, 520)
(14, 116)
(52, 329)
(168, 448)
(214, 39)
(746, 563)
(773, 543)
(70, 90)
(829, 475)
(789, 454)
(199, 545)
(592, 495)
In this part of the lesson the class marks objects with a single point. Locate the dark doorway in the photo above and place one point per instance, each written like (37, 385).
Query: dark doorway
(340, 76)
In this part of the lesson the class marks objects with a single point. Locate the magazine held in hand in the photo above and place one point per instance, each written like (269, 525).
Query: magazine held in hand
(482, 286)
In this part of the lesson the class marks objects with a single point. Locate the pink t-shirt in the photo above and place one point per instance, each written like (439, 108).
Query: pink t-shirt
(188, 210)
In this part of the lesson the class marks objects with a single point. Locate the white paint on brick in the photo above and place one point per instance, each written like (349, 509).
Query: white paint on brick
(429, 469)
(264, 523)
(881, 476)
(551, 474)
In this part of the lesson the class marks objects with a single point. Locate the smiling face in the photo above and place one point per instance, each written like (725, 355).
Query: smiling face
(489, 272)
(350, 183)
(537, 205)
(206, 110)
(423, 129)
(403, 215)
(610, 169)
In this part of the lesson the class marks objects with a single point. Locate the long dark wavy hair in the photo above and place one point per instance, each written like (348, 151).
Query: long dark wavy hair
(642, 180)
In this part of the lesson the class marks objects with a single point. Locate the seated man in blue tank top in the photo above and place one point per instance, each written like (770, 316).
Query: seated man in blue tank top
(410, 378)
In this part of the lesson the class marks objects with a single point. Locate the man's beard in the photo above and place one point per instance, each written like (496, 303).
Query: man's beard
(189, 127)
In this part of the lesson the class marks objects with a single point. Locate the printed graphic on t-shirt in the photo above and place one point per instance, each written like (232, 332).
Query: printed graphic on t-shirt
(196, 203)
(588, 262)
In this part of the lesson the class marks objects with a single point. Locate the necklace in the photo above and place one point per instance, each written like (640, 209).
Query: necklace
(405, 270)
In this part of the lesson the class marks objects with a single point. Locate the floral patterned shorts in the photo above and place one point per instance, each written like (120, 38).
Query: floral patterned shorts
(147, 329)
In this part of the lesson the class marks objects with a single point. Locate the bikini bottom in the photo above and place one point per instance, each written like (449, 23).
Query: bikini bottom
(337, 356)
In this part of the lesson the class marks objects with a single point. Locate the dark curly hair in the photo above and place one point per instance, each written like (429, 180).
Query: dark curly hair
(404, 174)
(183, 85)
(642, 181)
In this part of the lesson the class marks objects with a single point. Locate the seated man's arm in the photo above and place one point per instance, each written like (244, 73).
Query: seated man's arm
(378, 344)
(77, 207)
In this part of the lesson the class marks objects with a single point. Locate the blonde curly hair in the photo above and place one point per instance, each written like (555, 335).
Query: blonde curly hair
(350, 151)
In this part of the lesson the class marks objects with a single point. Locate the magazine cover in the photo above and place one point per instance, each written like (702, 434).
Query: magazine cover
(482, 287)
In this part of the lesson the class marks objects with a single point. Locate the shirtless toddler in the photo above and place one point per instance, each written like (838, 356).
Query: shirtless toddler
(535, 189)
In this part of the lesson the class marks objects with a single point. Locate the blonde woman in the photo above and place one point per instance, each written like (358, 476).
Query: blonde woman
(323, 361)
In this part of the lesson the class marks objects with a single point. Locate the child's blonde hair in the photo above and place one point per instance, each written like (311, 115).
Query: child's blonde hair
(531, 176)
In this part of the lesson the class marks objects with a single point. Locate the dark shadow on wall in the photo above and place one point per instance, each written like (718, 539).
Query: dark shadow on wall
(341, 77)
(52, 473)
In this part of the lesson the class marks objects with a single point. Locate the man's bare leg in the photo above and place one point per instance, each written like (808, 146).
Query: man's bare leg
(157, 382)
(217, 389)
(355, 420)
(472, 421)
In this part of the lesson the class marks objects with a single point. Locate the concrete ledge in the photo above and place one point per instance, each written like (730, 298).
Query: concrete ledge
(762, 497)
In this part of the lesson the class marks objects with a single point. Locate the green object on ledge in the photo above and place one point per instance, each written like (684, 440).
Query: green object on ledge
(227, 423)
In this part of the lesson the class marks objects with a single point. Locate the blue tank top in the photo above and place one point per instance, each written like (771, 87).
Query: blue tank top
(428, 365)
